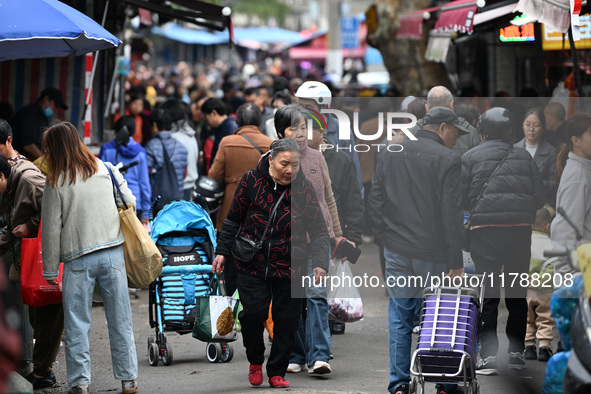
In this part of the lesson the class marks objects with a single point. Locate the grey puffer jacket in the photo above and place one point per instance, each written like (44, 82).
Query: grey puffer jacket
(176, 152)
(184, 133)
(513, 194)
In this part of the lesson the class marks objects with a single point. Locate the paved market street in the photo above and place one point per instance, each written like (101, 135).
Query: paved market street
(360, 363)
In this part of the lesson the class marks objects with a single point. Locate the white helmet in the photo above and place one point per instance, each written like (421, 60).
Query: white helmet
(316, 91)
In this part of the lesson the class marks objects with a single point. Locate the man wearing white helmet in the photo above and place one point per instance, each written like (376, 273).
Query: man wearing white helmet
(318, 96)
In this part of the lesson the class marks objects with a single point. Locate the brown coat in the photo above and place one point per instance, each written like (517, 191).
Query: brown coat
(235, 156)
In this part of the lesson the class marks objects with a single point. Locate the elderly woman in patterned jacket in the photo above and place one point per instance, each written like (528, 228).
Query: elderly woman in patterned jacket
(276, 184)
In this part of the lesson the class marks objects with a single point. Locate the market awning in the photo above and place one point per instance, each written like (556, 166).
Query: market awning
(266, 35)
(190, 36)
(315, 54)
(305, 36)
(457, 16)
(553, 13)
(438, 46)
(247, 37)
(197, 12)
(460, 16)
(495, 12)
(411, 23)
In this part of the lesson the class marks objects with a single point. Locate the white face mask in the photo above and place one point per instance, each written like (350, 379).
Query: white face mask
(274, 111)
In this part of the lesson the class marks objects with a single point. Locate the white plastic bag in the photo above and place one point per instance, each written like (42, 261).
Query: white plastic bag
(344, 300)
(561, 95)
(214, 320)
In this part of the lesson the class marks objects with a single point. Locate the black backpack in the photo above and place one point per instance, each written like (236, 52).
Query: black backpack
(164, 182)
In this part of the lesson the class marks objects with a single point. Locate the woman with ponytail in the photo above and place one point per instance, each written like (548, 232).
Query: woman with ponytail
(573, 175)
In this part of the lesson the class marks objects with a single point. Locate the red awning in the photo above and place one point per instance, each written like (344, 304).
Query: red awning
(411, 23)
(457, 16)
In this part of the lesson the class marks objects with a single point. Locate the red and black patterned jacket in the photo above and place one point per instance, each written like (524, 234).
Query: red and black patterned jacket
(297, 231)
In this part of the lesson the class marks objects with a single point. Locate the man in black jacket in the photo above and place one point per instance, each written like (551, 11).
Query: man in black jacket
(502, 189)
(416, 215)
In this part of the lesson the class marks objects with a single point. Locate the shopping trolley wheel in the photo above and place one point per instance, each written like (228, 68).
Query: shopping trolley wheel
(150, 342)
(475, 387)
(167, 354)
(214, 352)
(414, 386)
(153, 357)
(417, 386)
(227, 353)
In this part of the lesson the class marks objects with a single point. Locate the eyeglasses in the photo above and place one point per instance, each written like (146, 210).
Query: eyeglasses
(530, 125)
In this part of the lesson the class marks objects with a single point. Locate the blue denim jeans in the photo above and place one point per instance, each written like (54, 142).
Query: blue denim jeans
(313, 337)
(107, 268)
(401, 311)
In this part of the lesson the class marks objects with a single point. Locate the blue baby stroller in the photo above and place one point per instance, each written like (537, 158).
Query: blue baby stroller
(185, 235)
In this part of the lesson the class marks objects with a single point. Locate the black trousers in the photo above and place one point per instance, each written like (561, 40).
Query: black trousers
(255, 295)
(230, 275)
(504, 253)
(48, 326)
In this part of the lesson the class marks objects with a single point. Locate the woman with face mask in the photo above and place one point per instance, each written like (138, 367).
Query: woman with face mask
(287, 237)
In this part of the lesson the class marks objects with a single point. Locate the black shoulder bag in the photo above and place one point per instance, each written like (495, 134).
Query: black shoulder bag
(246, 250)
(252, 143)
(467, 239)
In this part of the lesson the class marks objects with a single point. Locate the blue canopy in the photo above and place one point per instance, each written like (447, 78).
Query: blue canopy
(243, 36)
(191, 36)
(181, 216)
(266, 35)
(48, 28)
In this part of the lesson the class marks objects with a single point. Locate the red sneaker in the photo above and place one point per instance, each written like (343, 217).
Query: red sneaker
(255, 375)
(278, 381)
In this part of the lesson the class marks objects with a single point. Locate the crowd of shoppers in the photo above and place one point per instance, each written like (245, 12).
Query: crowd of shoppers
(277, 147)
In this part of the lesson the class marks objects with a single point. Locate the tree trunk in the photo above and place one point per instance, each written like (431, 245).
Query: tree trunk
(404, 59)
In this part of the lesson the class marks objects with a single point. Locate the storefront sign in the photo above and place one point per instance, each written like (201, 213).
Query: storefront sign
(555, 41)
(514, 33)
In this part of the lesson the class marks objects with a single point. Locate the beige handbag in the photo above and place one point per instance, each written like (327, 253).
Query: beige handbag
(143, 261)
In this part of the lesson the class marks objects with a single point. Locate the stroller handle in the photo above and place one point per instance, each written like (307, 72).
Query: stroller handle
(154, 203)
(186, 269)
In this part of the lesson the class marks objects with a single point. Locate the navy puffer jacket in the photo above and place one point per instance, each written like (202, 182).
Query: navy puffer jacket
(513, 194)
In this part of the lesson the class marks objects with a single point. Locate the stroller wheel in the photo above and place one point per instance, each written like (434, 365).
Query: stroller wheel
(150, 342)
(167, 354)
(214, 352)
(475, 387)
(227, 353)
(153, 357)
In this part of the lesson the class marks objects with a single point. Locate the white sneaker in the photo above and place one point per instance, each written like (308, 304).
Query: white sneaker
(320, 367)
(129, 386)
(294, 368)
(416, 329)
